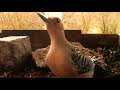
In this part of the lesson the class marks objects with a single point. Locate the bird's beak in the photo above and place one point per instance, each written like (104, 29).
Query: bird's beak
(46, 20)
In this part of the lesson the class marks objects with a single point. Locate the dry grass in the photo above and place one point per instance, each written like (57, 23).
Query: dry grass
(88, 22)
(20, 21)
(92, 22)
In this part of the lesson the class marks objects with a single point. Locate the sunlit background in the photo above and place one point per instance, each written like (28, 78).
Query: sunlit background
(88, 22)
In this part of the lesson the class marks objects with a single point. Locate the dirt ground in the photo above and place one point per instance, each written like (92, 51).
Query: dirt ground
(111, 70)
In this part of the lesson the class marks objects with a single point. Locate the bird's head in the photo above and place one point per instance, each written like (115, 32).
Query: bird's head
(54, 26)
(52, 23)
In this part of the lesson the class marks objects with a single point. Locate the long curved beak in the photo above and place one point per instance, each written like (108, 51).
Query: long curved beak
(44, 18)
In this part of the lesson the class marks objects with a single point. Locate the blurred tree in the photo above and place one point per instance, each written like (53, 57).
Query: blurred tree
(86, 19)
(107, 22)
(20, 21)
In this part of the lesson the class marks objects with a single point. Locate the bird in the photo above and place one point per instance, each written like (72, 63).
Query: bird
(63, 59)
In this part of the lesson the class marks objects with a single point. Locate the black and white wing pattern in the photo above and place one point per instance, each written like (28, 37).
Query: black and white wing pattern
(82, 62)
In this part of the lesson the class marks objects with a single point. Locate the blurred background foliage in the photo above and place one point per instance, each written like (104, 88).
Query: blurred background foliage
(88, 22)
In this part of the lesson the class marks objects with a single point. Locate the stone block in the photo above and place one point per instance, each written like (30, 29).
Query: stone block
(15, 53)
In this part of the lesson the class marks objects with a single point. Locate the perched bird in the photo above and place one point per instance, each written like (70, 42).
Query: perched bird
(63, 59)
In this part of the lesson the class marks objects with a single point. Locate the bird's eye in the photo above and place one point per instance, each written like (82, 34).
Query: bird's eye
(58, 20)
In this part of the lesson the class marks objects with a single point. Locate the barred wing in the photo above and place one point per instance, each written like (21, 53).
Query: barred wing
(82, 62)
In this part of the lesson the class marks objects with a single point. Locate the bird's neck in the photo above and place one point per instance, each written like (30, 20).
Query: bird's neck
(58, 38)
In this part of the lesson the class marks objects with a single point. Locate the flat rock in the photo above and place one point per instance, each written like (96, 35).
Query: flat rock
(15, 53)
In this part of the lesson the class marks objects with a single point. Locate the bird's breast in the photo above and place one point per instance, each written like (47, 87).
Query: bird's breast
(58, 60)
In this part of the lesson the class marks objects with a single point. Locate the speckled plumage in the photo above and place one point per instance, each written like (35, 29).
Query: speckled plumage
(81, 62)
